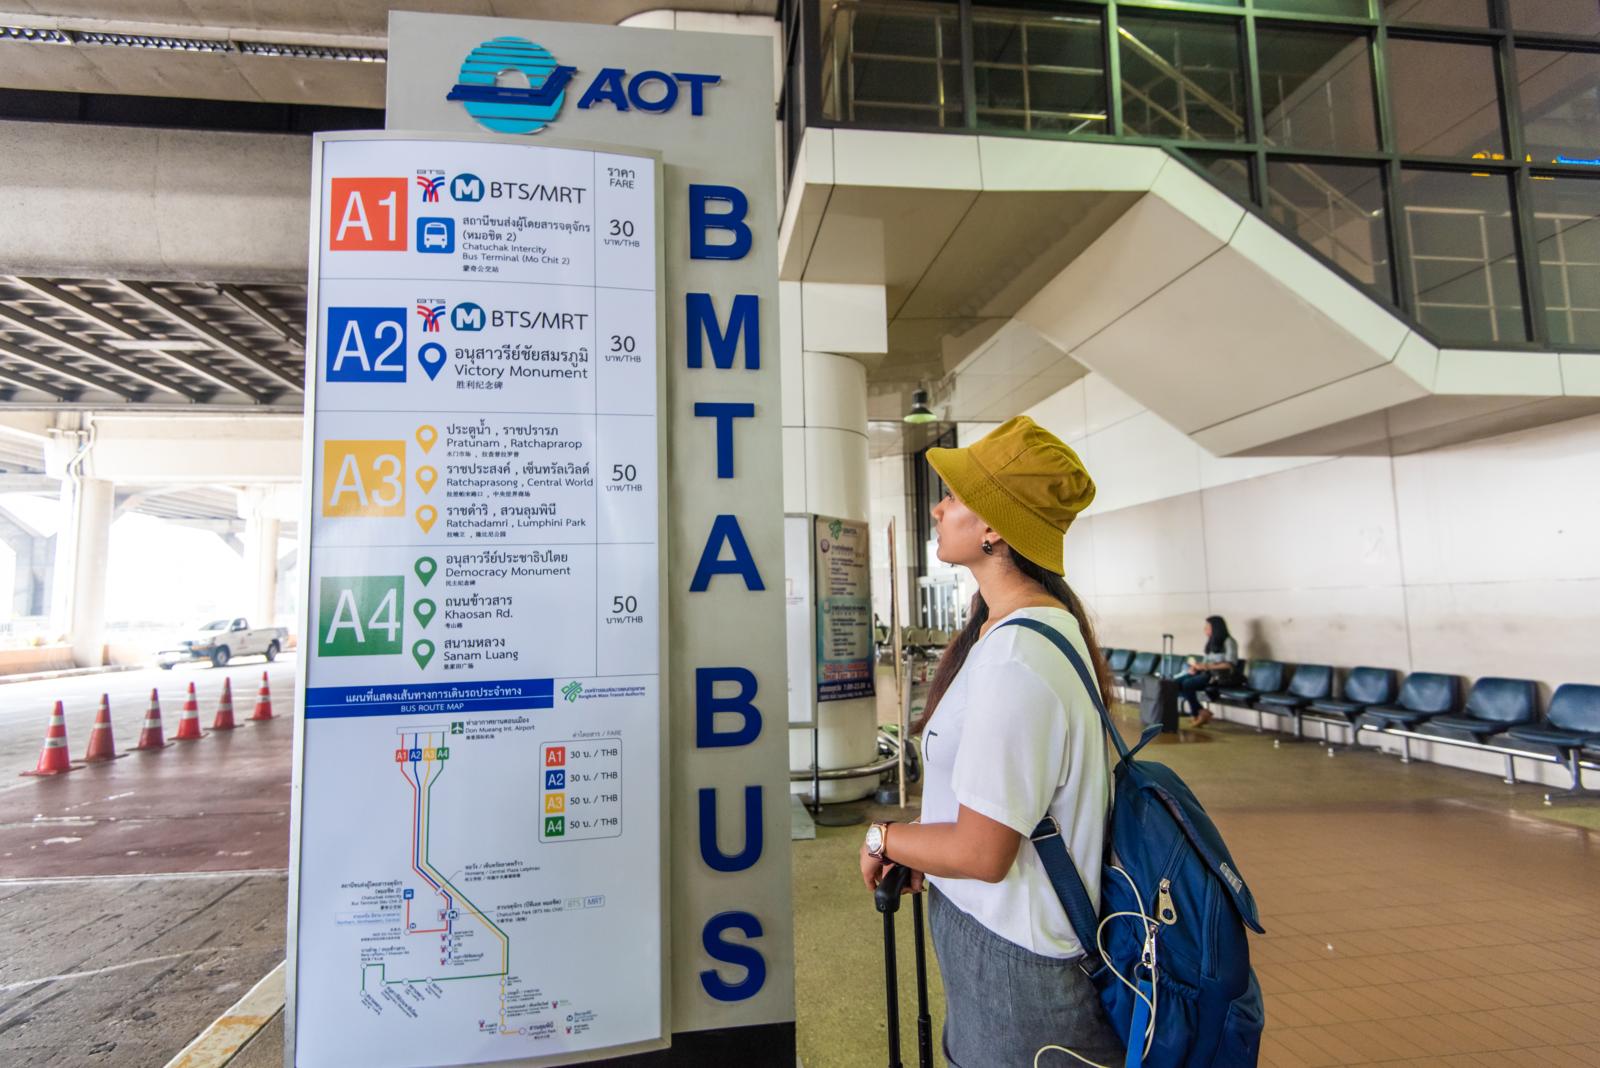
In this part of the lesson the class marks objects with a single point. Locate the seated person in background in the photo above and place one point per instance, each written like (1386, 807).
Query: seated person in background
(1215, 670)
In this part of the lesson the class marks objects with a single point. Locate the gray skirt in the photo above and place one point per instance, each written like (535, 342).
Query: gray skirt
(1004, 1003)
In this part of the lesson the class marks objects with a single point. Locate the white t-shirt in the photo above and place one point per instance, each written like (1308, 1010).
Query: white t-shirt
(1015, 732)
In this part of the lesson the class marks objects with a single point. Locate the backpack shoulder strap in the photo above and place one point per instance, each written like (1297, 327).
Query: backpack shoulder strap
(1074, 896)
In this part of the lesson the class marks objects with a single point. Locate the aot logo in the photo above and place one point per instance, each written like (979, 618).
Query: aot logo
(508, 107)
(467, 316)
(511, 108)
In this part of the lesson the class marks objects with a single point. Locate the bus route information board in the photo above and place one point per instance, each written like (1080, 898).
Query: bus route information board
(478, 780)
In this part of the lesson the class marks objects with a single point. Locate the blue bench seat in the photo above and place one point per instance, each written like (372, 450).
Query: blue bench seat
(1141, 665)
(1311, 682)
(1572, 722)
(1261, 677)
(1494, 705)
(1571, 727)
(1364, 687)
(1424, 695)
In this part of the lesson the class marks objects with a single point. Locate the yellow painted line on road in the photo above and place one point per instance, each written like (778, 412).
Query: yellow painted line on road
(228, 1033)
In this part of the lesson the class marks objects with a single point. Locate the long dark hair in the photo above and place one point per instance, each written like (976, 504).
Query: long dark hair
(1219, 634)
(955, 654)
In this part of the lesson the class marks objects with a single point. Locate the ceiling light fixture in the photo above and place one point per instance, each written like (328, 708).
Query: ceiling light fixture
(920, 412)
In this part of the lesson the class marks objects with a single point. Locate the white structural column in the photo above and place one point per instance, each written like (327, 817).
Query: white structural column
(261, 532)
(79, 605)
(825, 473)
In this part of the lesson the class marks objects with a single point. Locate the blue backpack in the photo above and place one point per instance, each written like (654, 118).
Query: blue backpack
(1168, 953)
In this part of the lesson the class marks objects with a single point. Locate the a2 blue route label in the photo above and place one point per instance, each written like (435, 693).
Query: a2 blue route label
(366, 345)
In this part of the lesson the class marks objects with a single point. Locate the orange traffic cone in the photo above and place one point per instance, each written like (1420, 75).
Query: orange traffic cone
(53, 758)
(263, 701)
(151, 737)
(102, 746)
(224, 720)
(189, 720)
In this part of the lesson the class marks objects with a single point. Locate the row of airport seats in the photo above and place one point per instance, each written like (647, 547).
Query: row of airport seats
(1129, 666)
(1499, 715)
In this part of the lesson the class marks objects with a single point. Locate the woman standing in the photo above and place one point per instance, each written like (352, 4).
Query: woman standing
(1217, 669)
(1011, 735)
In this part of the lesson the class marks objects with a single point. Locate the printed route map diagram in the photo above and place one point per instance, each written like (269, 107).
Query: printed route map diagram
(479, 789)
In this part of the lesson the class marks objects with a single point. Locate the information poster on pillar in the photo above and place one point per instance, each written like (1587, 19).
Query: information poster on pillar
(844, 610)
(480, 772)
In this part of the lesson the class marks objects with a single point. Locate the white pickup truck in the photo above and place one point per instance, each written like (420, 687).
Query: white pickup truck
(220, 640)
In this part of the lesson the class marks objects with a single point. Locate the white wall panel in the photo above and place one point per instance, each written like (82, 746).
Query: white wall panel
(1062, 413)
(1343, 627)
(1137, 621)
(1153, 548)
(1139, 459)
(1545, 630)
(1326, 526)
(1524, 506)
(1105, 405)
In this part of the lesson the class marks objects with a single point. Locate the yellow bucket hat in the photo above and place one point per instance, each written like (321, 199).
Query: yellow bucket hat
(1024, 482)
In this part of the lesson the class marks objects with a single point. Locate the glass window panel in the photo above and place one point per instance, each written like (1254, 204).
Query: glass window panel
(1316, 89)
(1578, 18)
(1437, 12)
(890, 64)
(1230, 172)
(1339, 210)
(1182, 78)
(1346, 8)
(1560, 95)
(1444, 99)
(1464, 261)
(1038, 70)
(1567, 227)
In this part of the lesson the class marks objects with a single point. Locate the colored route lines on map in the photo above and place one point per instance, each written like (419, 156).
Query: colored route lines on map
(448, 914)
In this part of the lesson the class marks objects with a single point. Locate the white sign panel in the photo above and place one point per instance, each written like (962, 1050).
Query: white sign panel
(480, 767)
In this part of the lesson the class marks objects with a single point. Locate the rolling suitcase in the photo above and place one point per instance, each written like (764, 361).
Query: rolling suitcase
(1158, 694)
(888, 898)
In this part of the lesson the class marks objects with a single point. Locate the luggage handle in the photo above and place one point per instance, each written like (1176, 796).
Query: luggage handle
(887, 898)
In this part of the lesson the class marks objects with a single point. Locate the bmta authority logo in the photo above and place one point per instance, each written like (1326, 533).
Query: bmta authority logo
(509, 108)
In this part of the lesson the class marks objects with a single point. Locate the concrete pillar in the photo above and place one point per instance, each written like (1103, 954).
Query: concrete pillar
(261, 557)
(262, 528)
(79, 606)
(825, 473)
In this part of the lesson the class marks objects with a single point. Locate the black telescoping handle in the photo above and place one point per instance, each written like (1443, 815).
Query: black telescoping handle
(887, 898)
(924, 1021)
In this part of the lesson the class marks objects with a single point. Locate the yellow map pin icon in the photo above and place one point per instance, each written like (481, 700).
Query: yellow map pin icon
(426, 477)
(427, 516)
(426, 436)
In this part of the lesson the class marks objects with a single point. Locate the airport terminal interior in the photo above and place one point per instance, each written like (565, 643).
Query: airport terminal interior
(1312, 288)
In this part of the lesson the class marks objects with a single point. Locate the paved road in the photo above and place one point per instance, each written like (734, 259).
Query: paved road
(147, 894)
(25, 706)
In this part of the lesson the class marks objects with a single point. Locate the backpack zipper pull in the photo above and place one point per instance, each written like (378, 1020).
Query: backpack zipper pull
(1164, 910)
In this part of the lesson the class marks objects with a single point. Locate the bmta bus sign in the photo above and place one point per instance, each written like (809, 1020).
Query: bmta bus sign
(486, 87)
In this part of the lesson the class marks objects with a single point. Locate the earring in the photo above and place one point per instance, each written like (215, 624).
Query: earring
(988, 549)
